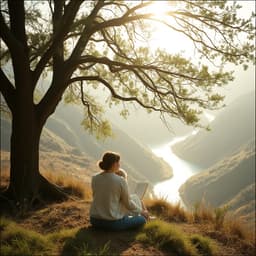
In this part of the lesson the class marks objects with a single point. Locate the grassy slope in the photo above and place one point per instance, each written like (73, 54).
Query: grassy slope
(64, 229)
(230, 182)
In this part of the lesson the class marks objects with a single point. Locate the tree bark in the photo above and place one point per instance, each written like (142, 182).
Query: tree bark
(27, 185)
(24, 173)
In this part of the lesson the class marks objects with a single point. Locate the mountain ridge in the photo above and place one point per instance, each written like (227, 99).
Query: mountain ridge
(234, 126)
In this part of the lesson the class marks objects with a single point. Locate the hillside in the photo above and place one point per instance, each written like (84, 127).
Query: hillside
(229, 182)
(138, 160)
(233, 127)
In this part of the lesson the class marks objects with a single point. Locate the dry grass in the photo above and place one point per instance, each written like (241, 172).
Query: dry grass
(72, 185)
(202, 212)
(237, 227)
(4, 178)
(166, 211)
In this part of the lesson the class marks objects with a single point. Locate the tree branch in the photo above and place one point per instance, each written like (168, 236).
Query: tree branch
(7, 90)
(86, 33)
(17, 22)
(12, 43)
(68, 18)
(113, 92)
(116, 66)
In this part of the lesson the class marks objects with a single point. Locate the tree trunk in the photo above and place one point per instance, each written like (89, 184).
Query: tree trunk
(24, 173)
(27, 185)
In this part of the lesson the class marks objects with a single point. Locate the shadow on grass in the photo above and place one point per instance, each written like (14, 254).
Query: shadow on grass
(90, 241)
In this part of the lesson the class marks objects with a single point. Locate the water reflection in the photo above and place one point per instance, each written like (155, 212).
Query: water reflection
(182, 170)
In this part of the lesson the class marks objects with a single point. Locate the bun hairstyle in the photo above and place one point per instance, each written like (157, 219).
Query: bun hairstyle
(108, 159)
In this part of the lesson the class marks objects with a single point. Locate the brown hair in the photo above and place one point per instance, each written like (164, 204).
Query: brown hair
(108, 159)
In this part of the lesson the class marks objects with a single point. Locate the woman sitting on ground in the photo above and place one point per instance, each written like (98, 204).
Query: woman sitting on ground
(111, 199)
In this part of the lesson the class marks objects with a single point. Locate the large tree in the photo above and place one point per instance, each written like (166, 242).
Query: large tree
(90, 45)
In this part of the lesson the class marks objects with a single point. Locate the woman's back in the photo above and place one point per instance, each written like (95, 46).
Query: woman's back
(107, 191)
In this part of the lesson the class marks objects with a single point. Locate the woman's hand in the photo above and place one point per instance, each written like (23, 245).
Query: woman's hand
(145, 214)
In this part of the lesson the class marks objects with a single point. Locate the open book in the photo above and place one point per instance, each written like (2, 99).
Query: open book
(140, 189)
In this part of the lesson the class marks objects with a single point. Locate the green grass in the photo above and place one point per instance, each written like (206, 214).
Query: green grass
(204, 245)
(18, 241)
(81, 244)
(169, 238)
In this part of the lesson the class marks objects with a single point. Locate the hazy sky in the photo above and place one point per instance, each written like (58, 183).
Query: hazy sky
(244, 80)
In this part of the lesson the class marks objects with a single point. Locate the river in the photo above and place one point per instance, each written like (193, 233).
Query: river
(182, 170)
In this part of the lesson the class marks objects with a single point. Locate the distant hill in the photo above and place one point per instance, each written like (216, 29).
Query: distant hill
(233, 127)
(229, 182)
(148, 128)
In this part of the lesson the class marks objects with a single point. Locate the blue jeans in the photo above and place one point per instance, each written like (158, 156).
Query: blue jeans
(127, 222)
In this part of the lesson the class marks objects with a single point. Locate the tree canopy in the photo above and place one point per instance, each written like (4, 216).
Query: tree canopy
(92, 45)
(87, 47)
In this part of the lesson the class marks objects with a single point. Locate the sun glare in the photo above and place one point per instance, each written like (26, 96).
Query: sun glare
(163, 36)
(159, 8)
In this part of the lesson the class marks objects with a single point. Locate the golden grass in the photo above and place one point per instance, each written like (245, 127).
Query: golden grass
(4, 178)
(166, 211)
(72, 185)
(237, 227)
(202, 212)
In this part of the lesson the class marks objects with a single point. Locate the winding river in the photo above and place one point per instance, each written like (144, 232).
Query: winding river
(182, 170)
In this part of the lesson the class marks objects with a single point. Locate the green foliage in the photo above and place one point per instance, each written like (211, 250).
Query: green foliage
(105, 45)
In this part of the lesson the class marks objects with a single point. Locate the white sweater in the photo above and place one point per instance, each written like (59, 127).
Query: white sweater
(111, 199)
